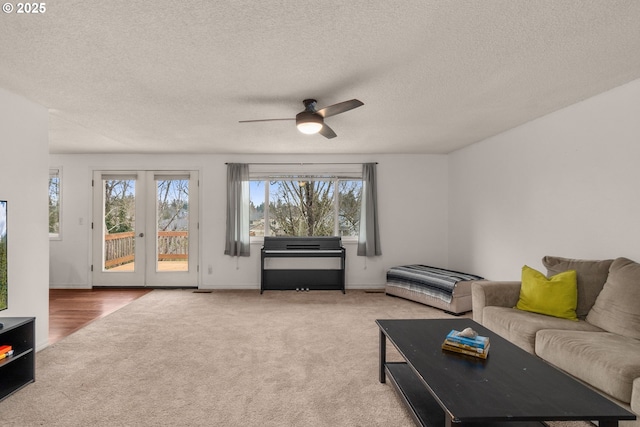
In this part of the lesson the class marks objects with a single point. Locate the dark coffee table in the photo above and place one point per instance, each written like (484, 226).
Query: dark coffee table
(442, 388)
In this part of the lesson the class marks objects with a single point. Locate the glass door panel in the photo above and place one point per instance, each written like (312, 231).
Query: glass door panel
(119, 225)
(172, 220)
(174, 225)
(118, 229)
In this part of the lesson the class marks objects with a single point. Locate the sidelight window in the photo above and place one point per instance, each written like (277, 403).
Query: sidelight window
(54, 203)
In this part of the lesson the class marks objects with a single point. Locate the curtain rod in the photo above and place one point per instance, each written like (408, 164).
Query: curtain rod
(312, 163)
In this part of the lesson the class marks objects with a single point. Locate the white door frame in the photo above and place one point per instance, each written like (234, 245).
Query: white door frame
(145, 272)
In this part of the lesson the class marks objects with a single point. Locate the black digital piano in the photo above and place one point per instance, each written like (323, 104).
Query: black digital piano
(302, 278)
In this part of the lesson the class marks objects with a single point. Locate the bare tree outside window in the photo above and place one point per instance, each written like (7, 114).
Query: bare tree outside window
(119, 206)
(306, 206)
(54, 203)
(301, 208)
(256, 209)
(173, 205)
(350, 195)
(173, 222)
(3, 255)
(119, 222)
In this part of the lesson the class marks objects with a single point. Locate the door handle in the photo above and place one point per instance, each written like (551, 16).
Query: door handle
(141, 235)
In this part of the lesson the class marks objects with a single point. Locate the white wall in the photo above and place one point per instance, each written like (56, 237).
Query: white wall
(412, 192)
(24, 173)
(567, 184)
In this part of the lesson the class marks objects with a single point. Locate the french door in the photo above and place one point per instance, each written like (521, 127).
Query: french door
(145, 228)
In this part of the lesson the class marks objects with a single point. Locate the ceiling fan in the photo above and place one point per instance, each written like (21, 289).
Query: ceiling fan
(311, 121)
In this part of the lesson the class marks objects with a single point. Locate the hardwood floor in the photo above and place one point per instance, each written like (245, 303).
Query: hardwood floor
(72, 309)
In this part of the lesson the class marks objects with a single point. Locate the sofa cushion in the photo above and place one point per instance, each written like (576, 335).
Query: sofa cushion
(605, 360)
(617, 308)
(520, 327)
(591, 276)
(555, 296)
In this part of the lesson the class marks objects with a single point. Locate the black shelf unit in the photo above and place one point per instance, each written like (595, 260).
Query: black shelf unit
(17, 371)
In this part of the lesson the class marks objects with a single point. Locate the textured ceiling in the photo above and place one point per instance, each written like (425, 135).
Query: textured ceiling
(177, 76)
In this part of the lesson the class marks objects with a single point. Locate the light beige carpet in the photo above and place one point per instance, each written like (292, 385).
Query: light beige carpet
(179, 358)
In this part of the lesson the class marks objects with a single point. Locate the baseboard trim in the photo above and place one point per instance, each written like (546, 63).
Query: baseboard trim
(244, 286)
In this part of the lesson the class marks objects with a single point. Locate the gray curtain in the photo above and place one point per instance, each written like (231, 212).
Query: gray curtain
(237, 234)
(369, 238)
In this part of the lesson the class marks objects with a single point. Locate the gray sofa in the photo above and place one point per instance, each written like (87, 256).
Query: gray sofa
(601, 348)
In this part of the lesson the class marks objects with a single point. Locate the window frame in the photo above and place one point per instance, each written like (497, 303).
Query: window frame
(57, 173)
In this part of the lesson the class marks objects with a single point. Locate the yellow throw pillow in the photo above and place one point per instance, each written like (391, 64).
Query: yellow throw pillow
(556, 296)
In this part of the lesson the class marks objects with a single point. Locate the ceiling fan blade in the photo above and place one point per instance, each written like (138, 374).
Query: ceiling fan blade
(340, 107)
(327, 132)
(263, 120)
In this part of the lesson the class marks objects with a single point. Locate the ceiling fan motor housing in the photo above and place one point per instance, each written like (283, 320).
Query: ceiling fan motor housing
(310, 105)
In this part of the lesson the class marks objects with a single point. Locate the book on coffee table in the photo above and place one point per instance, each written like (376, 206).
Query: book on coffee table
(477, 342)
(482, 353)
(477, 346)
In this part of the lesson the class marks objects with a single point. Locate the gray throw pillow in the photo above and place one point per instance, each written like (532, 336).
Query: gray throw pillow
(591, 277)
(617, 308)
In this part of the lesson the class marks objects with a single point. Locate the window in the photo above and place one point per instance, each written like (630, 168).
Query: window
(305, 206)
(54, 203)
(350, 195)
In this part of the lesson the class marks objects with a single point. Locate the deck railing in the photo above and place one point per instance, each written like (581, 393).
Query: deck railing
(173, 245)
(119, 247)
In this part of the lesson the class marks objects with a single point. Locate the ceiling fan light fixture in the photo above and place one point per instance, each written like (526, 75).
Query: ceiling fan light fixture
(311, 120)
(309, 123)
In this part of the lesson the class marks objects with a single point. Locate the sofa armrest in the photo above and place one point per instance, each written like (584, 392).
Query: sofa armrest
(635, 397)
(487, 293)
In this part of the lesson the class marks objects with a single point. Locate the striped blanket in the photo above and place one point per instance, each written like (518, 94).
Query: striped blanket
(433, 281)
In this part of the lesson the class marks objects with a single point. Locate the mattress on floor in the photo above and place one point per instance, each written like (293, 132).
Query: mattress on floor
(446, 289)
